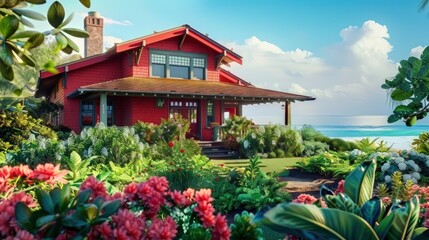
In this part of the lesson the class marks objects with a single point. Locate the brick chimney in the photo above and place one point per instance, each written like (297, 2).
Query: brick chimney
(93, 24)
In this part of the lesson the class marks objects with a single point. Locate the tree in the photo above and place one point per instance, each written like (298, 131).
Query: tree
(410, 89)
(16, 42)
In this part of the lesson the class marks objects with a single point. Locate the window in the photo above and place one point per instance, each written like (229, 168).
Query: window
(210, 112)
(159, 65)
(87, 113)
(178, 65)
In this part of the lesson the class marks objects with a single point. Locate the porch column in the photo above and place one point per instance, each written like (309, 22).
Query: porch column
(103, 108)
(288, 113)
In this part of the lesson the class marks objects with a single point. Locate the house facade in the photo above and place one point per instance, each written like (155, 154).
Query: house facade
(177, 71)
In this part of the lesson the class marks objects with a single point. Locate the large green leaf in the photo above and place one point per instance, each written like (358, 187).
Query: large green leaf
(403, 110)
(393, 118)
(360, 182)
(65, 197)
(56, 14)
(400, 95)
(23, 215)
(30, 14)
(86, 3)
(34, 41)
(371, 210)
(8, 26)
(61, 40)
(76, 32)
(417, 64)
(45, 201)
(342, 202)
(403, 220)
(67, 21)
(311, 222)
(421, 233)
(6, 71)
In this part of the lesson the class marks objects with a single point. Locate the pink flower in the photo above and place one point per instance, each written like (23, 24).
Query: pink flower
(23, 235)
(340, 188)
(221, 230)
(386, 200)
(97, 187)
(164, 230)
(204, 207)
(49, 173)
(305, 199)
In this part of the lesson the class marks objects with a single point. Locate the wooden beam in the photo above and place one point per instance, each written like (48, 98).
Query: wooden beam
(182, 40)
(288, 113)
(220, 59)
(140, 52)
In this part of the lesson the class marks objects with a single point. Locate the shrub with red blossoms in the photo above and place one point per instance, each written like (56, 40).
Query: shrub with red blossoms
(8, 225)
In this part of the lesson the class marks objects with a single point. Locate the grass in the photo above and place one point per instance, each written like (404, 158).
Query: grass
(276, 165)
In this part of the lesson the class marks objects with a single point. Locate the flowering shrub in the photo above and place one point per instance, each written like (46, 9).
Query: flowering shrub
(147, 210)
(272, 141)
(119, 145)
(38, 150)
(18, 178)
(409, 163)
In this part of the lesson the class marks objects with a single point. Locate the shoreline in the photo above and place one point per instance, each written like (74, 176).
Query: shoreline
(397, 142)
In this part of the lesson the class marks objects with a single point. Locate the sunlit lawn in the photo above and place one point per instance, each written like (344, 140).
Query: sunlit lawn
(276, 165)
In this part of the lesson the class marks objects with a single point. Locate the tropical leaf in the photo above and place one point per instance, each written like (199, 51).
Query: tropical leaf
(8, 26)
(360, 182)
(402, 109)
(30, 14)
(311, 222)
(393, 118)
(371, 210)
(400, 95)
(76, 32)
(86, 3)
(56, 14)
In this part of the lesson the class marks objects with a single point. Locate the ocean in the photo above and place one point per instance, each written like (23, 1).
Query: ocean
(357, 127)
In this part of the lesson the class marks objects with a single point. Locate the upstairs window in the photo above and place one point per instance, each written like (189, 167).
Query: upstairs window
(178, 65)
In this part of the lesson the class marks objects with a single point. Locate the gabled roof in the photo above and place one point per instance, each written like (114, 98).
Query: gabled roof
(226, 55)
(175, 88)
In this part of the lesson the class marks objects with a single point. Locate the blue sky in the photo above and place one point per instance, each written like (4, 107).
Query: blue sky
(338, 51)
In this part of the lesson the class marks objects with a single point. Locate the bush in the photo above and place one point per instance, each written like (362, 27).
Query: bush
(312, 148)
(421, 144)
(280, 153)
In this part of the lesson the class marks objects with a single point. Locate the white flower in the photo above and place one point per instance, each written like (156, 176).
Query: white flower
(136, 137)
(387, 179)
(83, 134)
(385, 167)
(132, 131)
(406, 177)
(104, 151)
(126, 131)
(42, 144)
(246, 144)
(416, 168)
(416, 175)
(32, 137)
(402, 166)
(399, 160)
(254, 135)
(414, 180)
(90, 151)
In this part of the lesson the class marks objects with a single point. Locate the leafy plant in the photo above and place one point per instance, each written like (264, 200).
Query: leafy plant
(410, 89)
(352, 215)
(370, 146)
(244, 228)
(60, 212)
(421, 144)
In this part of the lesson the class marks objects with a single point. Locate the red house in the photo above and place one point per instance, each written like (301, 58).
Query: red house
(177, 71)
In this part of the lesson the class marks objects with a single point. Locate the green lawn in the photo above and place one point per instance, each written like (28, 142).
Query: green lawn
(276, 165)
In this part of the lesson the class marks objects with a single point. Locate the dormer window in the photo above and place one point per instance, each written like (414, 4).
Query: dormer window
(181, 65)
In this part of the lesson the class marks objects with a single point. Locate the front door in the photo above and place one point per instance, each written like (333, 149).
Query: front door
(189, 110)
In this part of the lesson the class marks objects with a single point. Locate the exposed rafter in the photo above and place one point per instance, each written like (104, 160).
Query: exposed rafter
(182, 40)
(220, 58)
(140, 51)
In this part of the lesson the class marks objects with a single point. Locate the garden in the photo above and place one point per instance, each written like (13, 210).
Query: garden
(149, 181)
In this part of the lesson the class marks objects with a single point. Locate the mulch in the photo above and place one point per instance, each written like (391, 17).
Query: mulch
(299, 182)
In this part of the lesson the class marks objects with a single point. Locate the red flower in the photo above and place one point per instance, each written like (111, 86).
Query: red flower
(305, 199)
(49, 173)
(97, 187)
(221, 230)
(217, 179)
(165, 230)
(182, 150)
(222, 165)
(340, 188)
(179, 169)
(171, 144)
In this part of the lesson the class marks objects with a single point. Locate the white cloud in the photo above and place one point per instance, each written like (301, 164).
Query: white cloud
(417, 51)
(345, 82)
(110, 21)
(109, 41)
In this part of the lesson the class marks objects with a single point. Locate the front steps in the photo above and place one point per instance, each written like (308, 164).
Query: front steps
(216, 150)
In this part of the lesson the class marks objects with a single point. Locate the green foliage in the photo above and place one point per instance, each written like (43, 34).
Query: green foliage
(421, 144)
(352, 215)
(371, 146)
(257, 189)
(59, 212)
(244, 228)
(272, 141)
(169, 130)
(313, 148)
(17, 126)
(17, 41)
(410, 89)
(328, 163)
(120, 146)
(234, 129)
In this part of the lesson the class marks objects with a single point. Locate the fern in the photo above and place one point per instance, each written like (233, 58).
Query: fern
(396, 184)
(406, 191)
(382, 190)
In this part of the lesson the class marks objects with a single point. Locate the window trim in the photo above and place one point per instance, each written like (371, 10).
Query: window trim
(179, 54)
(208, 124)
(81, 115)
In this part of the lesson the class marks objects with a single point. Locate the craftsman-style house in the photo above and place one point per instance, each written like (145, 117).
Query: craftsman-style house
(177, 71)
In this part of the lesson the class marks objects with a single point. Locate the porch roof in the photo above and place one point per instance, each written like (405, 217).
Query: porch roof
(163, 87)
